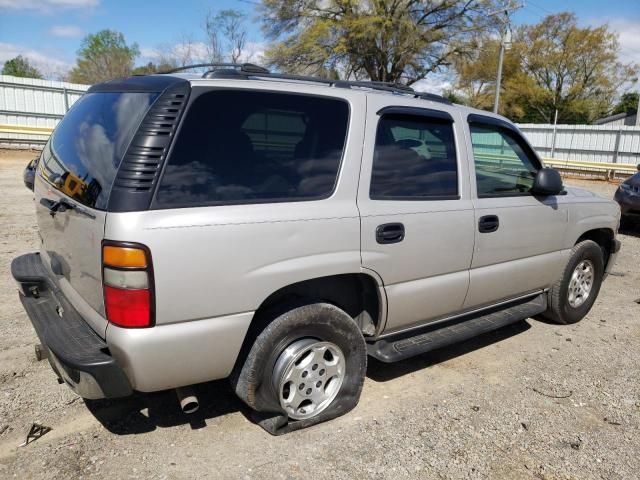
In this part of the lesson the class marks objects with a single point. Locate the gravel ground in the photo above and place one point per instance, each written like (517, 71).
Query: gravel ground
(533, 400)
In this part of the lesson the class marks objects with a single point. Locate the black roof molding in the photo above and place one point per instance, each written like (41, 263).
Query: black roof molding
(416, 111)
(143, 83)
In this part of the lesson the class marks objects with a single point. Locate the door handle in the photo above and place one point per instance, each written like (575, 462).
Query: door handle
(488, 224)
(390, 233)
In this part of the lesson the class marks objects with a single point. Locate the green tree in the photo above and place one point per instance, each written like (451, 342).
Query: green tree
(552, 65)
(20, 67)
(568, 68)
(382, 40)
(628, 103)
(103, 56)
(477, 68)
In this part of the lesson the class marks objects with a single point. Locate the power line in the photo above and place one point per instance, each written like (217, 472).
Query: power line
(540, 8)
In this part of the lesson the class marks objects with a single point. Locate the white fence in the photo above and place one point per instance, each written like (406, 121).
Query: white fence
(586, 143)
(29, 102)
(34, 103)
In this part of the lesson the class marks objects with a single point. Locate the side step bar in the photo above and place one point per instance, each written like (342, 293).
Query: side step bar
(432, 337)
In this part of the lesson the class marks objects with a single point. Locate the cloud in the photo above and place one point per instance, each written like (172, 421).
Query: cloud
(48, 62)
(66, 31)
(434, 83)
(46, 6)
(628, 37)
(253, 52)
(196, 52)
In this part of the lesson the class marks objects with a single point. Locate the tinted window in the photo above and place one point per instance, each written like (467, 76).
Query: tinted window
(503, 167)
(83, 154)
(414, 159)
(248, 147)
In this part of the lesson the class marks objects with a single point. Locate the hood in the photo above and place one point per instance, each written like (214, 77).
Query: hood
(580, 192)
(633, 180)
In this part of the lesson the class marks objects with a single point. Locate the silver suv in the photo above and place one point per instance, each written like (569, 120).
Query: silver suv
(278, 229)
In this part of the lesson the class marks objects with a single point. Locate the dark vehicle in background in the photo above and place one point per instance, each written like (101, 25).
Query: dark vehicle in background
(628, 196)
(29, 174)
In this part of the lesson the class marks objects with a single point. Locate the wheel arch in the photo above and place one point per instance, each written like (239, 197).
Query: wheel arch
(603, 237)
(360, 295)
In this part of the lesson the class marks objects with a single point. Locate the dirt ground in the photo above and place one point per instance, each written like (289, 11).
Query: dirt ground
(533, 400)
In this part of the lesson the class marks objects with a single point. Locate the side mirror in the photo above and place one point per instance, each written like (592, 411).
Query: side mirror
(547, 182)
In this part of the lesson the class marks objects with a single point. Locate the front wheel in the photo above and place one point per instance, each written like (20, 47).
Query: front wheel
(307, 366)
(573, 295)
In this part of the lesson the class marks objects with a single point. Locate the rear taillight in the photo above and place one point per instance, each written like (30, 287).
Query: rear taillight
(127, 279)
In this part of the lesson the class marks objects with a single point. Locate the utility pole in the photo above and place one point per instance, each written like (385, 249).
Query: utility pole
(505, 44)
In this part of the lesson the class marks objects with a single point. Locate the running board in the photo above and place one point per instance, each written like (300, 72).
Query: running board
(432, 337)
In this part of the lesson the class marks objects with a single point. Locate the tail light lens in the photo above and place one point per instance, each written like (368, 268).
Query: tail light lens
(127, 279)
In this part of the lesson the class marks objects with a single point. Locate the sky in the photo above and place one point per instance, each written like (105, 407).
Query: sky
(49, 32)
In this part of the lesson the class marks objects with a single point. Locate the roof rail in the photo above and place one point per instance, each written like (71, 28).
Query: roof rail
(434, 98)
(246, 70)
(243, 67)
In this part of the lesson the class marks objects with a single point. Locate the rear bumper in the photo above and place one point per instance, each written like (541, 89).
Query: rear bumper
(76, 353)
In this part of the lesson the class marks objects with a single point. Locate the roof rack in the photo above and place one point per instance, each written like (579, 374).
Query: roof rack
(247, 70)
(242, 67)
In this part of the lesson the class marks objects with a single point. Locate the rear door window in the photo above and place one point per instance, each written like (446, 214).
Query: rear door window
(255, 147)
(414, 159)
(83, 154)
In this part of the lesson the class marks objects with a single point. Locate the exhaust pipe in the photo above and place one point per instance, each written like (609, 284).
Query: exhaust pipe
(188, 400)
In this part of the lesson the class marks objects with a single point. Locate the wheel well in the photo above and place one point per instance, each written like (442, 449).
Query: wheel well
(603, 237)
(355, 293)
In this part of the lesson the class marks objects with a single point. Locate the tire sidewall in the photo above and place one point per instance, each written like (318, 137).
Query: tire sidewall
(588, 250)
(320, 321)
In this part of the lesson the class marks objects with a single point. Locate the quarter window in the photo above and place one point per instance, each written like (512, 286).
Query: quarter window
(503, 167)
(414, 159)
(82, 156)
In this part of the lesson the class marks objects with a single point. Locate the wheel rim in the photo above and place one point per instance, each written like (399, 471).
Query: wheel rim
(581, 283)
(308, 376)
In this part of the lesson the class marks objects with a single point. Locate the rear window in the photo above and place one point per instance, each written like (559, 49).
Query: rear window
(255, 147)
(83, 154)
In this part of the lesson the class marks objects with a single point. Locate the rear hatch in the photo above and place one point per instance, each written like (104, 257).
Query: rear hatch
(74, 180)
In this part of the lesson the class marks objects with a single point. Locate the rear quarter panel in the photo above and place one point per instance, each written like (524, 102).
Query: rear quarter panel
(222, 260)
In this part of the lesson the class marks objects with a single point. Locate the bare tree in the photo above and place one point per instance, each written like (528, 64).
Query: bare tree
(184, 52)
(213, 43)
(226, 35)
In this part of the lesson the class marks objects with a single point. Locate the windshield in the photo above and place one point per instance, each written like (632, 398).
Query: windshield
(82, 156)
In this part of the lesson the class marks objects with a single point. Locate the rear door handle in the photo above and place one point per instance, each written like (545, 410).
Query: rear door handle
(488, 224)
(390, 233)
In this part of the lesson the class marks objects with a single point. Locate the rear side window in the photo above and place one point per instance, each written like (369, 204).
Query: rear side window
(414, 159)
(255, 147)
(83, 154)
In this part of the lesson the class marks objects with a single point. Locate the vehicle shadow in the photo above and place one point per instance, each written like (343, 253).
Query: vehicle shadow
(145, 412)
(383, 372)
(630, 227)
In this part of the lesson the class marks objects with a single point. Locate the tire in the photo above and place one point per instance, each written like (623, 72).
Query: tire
(306, 342)
(570, 302)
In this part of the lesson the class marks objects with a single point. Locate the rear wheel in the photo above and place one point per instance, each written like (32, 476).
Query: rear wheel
(573, 295)
(305, 367)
